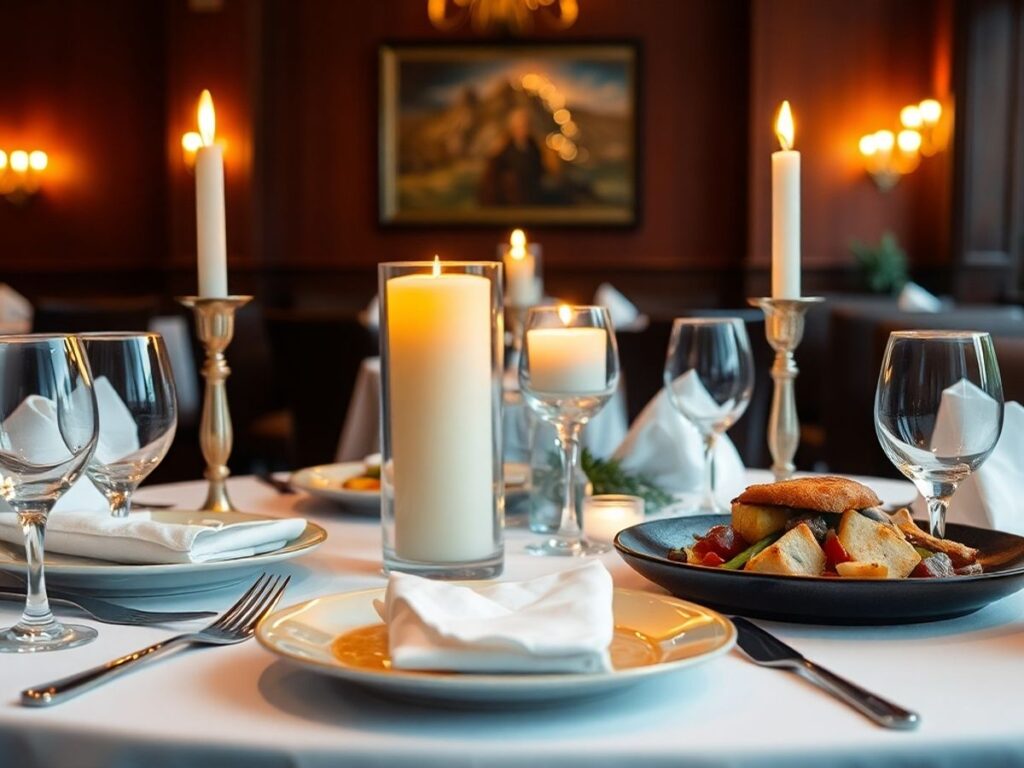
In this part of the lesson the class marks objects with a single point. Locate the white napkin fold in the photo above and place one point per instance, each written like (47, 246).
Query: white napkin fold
(991, 496)
(562, 622)
(914, 298)
(143, 538)
(15, 310)
(669, 450)
(622, 311)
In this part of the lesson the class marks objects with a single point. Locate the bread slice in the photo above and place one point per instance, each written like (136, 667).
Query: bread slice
(754, 521)
(869, 541)
(796, 554)
(855, 570)
(819, 494)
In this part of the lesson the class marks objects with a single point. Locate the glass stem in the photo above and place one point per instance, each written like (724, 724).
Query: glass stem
(120, 503)
(709, 504)
(938, 505)
(37, 608)
(569, 442)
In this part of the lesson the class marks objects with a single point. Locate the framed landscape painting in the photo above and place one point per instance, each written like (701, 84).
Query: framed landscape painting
(508, 134)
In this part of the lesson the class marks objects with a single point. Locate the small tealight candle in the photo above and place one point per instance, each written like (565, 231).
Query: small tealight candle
(605, 515)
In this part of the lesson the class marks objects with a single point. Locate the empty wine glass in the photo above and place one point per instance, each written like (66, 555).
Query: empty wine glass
(137, 408)
(938, 410)
(568, 370)
(48, 429)
(709, 376)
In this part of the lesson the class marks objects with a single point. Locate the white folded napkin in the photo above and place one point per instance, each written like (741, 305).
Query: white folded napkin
(562, 622)
(914, 298)
(143, 538)
(622, 311)
(15, 310)
(669, 450)
(991, 496)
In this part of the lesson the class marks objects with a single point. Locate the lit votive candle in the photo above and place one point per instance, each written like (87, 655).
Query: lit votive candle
(604, 516)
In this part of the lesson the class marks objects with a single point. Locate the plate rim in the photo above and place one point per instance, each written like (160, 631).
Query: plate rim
(624, 550)
(332, 493)
(475, 681)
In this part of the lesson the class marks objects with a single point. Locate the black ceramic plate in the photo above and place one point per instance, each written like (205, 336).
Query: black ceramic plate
(823, 600)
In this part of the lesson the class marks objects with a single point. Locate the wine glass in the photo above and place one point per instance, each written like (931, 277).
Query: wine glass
(568, 370)
(709, 376)
(137, 408)
(938, 410)
(48, 430)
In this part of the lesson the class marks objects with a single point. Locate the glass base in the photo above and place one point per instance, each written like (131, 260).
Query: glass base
(49, 637)
(488, 568)
(695, 504)
(555, 547)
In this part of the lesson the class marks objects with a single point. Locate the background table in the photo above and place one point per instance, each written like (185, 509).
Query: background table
(240, 705)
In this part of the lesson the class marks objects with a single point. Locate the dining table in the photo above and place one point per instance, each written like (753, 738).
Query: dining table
(242, 706)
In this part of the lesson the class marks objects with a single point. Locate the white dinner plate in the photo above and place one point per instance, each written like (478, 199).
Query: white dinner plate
(105, 578)
(326, 481)
(676, 634)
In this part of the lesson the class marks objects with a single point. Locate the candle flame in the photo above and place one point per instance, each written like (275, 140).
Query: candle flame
(437, 266)
(784, 126)
(207, 118)
(518, 239)
(930, 111)
(565, 314)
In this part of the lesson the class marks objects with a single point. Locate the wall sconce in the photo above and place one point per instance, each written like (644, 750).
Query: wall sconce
(889, 156)
(20, 173)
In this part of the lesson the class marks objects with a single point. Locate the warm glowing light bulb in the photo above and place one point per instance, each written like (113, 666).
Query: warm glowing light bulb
(207, 117)
(908, 141)
(784, 126)
(38, 160)
(885, 140)
(19, 161)
(437, 266)
(910, 117)
(565, 314)
(531, 81)
(191, 141)
(868, 145)
(3, 160)
(562, 116)
(930, 111)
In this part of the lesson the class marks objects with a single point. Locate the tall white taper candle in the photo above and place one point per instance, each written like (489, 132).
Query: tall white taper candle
(785, 211)
(211, 230)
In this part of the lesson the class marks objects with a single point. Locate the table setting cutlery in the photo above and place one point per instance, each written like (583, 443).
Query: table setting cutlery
(237, 624)
(107, 612)
(765, 649)
(283, 487)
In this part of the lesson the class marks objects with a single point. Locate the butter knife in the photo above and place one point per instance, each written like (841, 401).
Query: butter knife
(767, 650)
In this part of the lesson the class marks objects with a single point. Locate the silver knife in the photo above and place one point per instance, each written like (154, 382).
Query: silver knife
(107, 612)
(767, 650)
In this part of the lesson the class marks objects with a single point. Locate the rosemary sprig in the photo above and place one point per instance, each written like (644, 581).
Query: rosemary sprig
(608, 476)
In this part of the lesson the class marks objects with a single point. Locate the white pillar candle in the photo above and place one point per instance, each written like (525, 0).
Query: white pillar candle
(521, 284)
(570, 361)
(605, 516)
(439, 398)
(785, 211)
(211, 231)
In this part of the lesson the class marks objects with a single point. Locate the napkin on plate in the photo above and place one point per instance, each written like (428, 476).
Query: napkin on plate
(624, 314)
(80, 523)
(557, 623)
(914, 298)
(669, 450)
(991, 497)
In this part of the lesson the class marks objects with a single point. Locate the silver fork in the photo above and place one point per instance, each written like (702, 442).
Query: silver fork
(236, 624)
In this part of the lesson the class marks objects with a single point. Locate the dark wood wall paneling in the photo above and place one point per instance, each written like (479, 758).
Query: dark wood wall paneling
(295, 89)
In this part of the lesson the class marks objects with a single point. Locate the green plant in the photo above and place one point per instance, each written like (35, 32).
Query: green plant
(608, 476)
(883, 266)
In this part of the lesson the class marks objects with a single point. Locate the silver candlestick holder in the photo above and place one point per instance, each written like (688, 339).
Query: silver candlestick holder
(215, 327)
(784, 328)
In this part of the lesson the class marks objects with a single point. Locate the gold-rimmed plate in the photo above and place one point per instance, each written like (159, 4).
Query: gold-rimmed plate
(109, 579)
(655, 635)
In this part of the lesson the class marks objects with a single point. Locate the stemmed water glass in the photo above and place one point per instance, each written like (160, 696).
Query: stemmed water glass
(709, 377)
(938, 410)
(568, 370)
(48, 430)
(137, 408)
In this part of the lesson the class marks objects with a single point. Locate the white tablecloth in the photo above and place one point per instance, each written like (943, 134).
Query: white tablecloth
(240, 706)
(360, 434)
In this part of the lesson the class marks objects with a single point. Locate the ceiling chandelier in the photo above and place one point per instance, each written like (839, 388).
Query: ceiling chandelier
(513, 16)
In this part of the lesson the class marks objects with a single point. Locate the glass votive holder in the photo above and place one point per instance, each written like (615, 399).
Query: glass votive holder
(605, 515)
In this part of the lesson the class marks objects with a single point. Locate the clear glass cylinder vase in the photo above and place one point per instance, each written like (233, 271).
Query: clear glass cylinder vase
(442, 491)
